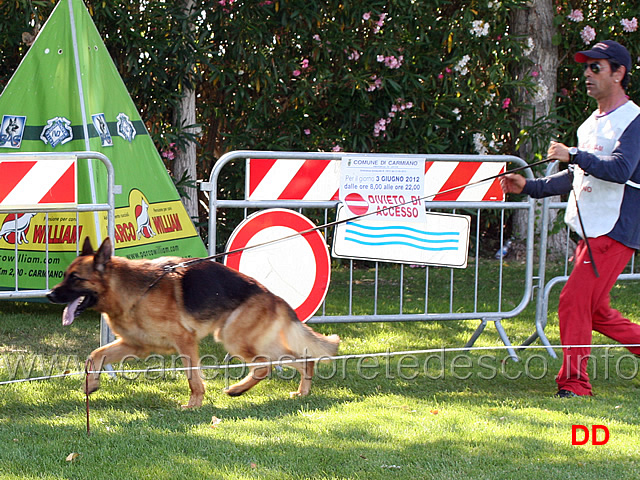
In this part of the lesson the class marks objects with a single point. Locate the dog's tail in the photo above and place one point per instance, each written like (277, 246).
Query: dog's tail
(304, 342)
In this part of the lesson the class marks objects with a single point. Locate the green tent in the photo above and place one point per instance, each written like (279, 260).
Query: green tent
(68, 96)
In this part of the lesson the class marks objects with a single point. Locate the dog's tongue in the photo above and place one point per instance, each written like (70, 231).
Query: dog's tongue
(69, 314)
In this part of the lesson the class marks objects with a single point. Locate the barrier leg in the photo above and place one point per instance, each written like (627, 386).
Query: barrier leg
(505, 340)
(540, 324)
(534, 336)
(476, 334)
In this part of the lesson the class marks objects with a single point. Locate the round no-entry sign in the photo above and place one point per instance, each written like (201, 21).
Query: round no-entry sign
(356, 203)
(297, 269)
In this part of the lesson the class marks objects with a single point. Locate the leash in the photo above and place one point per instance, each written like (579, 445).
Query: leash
(88, 363)
(584, 233)
(350, 219)
(169, 268)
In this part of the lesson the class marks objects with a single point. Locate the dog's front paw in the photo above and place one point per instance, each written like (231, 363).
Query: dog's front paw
(91, 385)
(233, 391)
(195, 401)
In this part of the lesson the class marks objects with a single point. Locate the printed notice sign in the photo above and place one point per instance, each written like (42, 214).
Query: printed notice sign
(440, 240)
(384, 189)
(392, 225)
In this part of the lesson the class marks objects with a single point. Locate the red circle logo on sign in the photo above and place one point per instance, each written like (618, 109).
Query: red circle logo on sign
(356, 203)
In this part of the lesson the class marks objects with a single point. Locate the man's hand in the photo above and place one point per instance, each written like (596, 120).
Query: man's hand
(558, 151)
(512, 183)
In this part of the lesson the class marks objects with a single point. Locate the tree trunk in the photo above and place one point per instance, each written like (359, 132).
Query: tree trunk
(185, 160)
(536, 24)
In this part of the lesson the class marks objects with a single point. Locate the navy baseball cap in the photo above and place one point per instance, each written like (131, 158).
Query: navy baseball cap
(608, 49)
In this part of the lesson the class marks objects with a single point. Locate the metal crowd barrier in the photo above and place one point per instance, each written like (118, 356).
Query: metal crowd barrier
(545, 286)
(477, 311)
(18, 293)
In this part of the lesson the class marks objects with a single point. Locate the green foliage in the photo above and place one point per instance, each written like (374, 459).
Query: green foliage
(393, 76)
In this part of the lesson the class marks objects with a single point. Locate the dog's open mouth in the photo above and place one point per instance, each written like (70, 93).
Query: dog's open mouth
(75, 308)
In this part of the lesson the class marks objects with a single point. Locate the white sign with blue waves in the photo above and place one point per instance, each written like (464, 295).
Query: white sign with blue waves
(443, 240)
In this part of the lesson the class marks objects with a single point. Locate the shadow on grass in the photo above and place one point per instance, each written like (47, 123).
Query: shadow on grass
(442, 429)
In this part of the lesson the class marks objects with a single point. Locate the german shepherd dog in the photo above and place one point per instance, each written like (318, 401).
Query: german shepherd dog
(153, 308)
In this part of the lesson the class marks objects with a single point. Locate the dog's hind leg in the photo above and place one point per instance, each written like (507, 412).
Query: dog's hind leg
(113, 352)
(306, 374)
(256, 374)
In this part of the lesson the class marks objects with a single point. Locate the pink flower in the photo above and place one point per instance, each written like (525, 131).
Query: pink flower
(296, 73)
(588, 34)
(629, 25)
(336, 148)
(440, 76)
(229, 3)
(391, 61)
(447, 70)
(169, 152)
(535, 73)
(316, 37)
(305, 63)
(380, 126)
(366, 16)
(576, 16)
(506, 103)
(379, 23)
(377, 83)
(307, 131)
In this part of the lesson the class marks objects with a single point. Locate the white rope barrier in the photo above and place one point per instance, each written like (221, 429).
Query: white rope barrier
(274, 363)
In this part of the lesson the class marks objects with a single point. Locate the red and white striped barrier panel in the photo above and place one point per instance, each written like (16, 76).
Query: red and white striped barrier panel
(319, 180)
(442, 178)
(272, 179)
(38, 183)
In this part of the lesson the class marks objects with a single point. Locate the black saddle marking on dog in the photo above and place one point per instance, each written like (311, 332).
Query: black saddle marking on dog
(212, 287)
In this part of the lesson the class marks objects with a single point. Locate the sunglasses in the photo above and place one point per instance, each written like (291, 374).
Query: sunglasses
(595, 67)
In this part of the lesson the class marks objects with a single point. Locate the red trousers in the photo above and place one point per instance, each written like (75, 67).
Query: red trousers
(584, 307)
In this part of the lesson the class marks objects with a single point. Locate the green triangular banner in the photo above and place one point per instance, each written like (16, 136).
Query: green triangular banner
(65, 96)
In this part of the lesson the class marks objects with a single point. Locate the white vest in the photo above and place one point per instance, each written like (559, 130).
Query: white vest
(599, 200)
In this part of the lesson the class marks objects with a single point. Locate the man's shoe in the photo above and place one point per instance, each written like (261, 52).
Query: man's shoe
(562, 393)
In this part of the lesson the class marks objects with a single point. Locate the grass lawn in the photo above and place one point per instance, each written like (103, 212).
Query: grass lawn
(438, 415)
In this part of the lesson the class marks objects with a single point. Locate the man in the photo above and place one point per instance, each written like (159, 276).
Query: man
(603, 178)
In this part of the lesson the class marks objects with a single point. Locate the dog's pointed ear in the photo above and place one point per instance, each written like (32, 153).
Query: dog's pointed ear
(103, 255)
(87, 248)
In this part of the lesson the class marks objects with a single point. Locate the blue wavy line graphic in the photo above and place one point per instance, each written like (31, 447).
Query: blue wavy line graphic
(407, 244)
(401, 235)
(400, 227)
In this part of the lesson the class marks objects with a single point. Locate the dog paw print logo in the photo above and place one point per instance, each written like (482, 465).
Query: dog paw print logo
(143, 221)
(15, 227)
